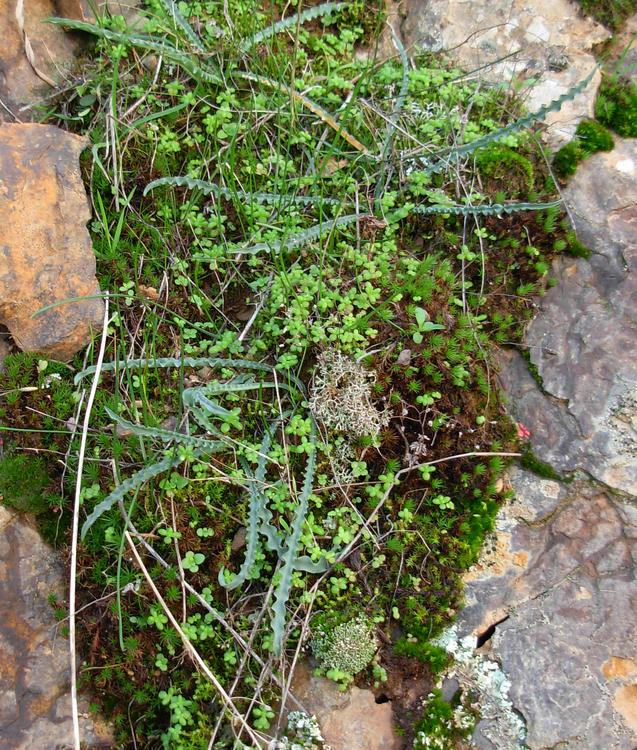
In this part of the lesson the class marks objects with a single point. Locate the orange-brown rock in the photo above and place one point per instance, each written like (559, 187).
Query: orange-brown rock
(625, 702)
(85, 10)
(350, 720)
(53, 55)
(46, 256)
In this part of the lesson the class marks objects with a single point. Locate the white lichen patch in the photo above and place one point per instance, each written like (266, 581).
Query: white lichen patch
(476, 672)
(302, 733)
(622, 420)
(341, 396)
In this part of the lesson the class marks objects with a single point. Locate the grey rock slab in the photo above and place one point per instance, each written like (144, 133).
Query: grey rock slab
(555, 435)
(562, 589)
(584, 338)
(513, 563)
(557, 580)
(549, 41)
(35, 705)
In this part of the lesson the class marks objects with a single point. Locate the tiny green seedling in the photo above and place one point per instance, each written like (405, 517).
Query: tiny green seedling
(424, 325)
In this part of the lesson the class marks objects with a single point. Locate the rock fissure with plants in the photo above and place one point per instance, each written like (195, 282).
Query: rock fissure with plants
(310, 256)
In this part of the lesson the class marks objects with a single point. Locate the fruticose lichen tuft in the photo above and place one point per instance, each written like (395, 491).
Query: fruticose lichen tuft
(341, 396)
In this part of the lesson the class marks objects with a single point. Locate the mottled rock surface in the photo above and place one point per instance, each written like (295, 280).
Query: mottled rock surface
(559, 578)
(46, 254)
(35, 707)
(54, 54)
(350, 720)
(584, 338)
(546, 40)
(560, 581)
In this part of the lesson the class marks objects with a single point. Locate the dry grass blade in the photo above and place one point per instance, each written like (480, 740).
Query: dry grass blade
(75, 530)
(28, 49)
(245, 645)
(308, 104)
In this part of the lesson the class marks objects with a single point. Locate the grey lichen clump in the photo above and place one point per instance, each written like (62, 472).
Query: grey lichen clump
(348, 648)
(341, 396)
(623, 421)
(303, 733)
(475, 672)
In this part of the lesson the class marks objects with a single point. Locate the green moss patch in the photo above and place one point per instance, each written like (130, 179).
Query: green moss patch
(616, 105)
(611, 13)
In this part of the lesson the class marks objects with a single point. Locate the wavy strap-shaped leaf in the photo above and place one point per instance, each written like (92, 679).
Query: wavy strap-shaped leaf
(205, 73)
(258, 502)
(289, 558)
(168, 436)
(486, 209)
(307, 565)
(301, 238)
(131, 484)
(201, 406)
(142, 41)
(173, 11)
(209, 188)
(170, 362)
(439, 160)
(290, 21)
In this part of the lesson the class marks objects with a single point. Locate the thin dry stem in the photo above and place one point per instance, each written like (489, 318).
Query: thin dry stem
(75, 531)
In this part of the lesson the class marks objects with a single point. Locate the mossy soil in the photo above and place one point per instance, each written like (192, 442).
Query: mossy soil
(234, 266)
(611, 13)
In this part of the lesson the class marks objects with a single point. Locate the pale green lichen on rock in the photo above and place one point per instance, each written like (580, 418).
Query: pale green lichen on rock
(486, 678)
(345, 650)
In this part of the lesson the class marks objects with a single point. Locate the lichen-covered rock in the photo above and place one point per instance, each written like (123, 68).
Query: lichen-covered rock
(548, 41)
(350, 720)
(563, 592)
(482, 678)
(46, 256)
(35, 705)
(556, 587)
